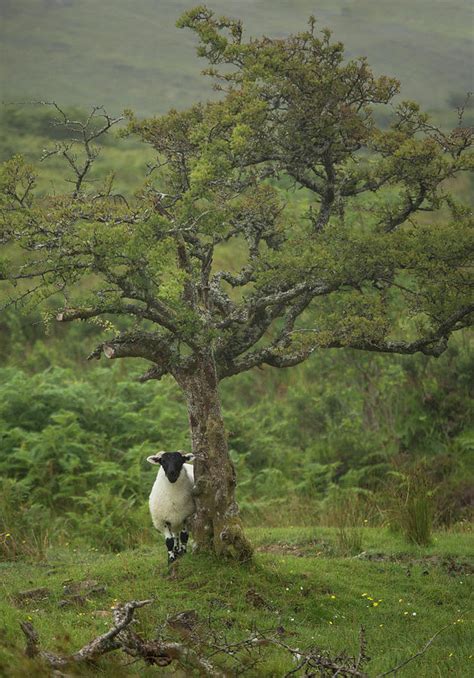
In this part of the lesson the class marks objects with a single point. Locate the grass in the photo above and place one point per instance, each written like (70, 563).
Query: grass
(318, 598)
(374, 539)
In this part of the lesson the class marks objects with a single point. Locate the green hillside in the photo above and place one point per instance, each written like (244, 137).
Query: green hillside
(125, 53)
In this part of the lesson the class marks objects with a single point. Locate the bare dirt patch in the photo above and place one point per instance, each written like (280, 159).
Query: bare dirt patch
(450, 564)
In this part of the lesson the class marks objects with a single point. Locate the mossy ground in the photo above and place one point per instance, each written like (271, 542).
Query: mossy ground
(297, 583)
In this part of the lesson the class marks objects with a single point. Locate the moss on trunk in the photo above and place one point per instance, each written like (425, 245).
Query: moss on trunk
(217, 525)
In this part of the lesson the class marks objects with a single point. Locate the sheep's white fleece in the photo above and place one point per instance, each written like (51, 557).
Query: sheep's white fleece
(172, 502)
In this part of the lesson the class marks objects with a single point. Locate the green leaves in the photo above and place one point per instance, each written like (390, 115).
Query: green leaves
(17, 180)
(280, 198)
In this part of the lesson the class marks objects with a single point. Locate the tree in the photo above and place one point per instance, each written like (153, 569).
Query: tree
(213, 268)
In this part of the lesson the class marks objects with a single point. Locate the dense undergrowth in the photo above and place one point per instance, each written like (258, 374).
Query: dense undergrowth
(346, 440)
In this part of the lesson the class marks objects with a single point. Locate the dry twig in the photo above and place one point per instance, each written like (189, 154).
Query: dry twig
(197, 652)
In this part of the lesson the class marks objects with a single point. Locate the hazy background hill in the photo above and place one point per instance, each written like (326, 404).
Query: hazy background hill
(128, 53)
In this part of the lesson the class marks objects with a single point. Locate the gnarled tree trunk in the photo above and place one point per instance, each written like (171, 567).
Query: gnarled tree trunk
(217, 525)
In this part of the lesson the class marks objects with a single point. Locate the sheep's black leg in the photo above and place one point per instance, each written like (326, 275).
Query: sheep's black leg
(183, 536)
(177, 546)
(170, 548)
(170, 544)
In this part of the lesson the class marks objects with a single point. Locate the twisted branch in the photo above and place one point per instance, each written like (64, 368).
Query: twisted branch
(200, 657)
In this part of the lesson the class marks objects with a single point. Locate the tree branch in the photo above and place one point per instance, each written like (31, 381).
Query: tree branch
(279, 353)
(107, 642)
(399, 666)
(121, 637)
(86, 135)
(71, 314)
(153, 346)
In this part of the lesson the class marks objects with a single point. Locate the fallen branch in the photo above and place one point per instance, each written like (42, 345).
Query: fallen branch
(343, 665)
(197, 652)
(121, 637)
(107, 642)
(414, 656)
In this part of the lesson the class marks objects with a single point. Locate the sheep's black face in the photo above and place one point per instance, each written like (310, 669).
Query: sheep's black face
(172, 463)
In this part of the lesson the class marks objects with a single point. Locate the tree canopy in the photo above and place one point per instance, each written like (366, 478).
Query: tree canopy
(213, 252)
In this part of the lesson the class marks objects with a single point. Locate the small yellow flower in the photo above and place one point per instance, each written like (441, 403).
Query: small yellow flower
(375, 604)
(333, 597)
(406, 612)
(380, 625)
(8, 534)
(400, 600)
(364, 595)
(30, 618)
(450, 654)
(330, 623)
(369, 598)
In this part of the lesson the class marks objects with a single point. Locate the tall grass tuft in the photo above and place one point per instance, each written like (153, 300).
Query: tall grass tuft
(345, 509)
(412, 506)
(417, 519)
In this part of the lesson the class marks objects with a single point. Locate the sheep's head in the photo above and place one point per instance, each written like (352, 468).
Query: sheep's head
(171, 462)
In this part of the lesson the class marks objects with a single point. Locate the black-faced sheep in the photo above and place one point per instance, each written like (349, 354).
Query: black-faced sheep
(171, 499)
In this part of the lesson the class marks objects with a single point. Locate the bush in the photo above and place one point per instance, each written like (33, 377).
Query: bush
(24, 527)
(73, 453)
(109, 521)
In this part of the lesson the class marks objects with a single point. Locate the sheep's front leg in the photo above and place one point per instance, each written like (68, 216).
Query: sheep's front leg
(170, 543)
(183, 538)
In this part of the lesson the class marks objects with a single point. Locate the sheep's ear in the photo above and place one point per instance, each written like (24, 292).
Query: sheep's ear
(188, 457)
(155, 458)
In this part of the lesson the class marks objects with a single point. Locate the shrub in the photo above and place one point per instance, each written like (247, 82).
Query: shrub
(24, 527)
(110, 522)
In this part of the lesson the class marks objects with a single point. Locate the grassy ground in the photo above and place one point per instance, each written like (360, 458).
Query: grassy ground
(298, 586)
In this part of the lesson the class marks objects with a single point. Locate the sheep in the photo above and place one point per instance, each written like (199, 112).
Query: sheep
(171, 499)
